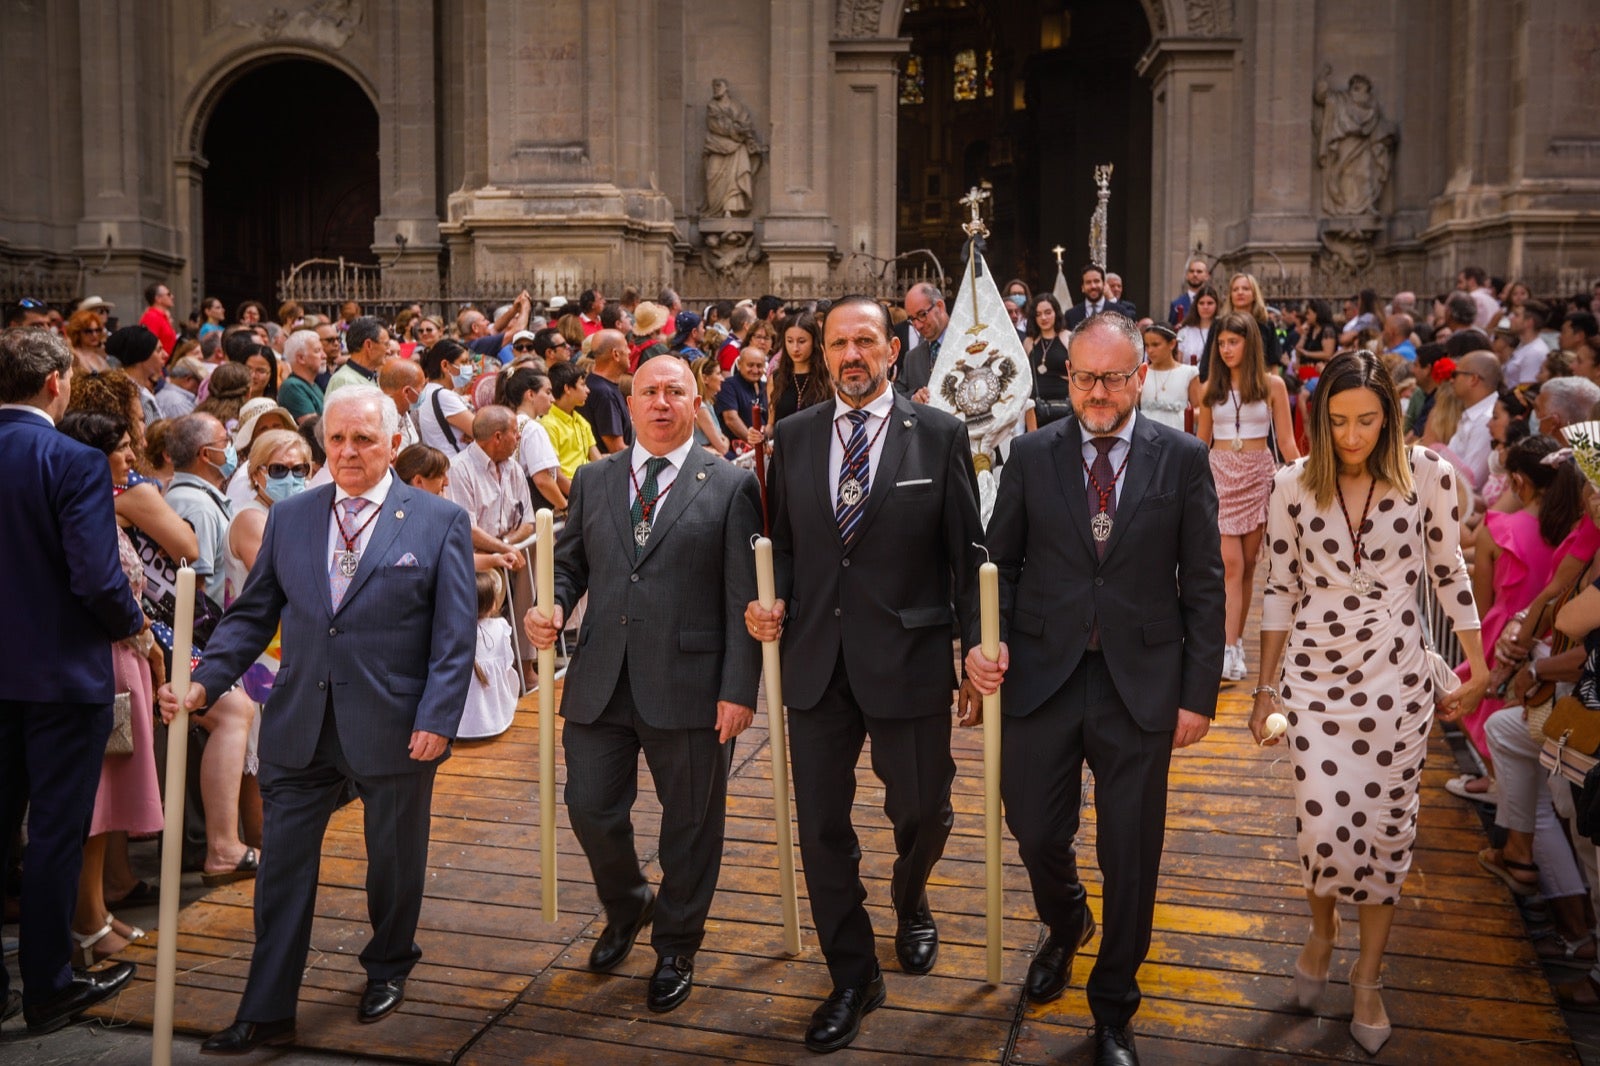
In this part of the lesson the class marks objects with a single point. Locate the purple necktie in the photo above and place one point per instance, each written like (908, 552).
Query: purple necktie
(1102, 496)
(338, 580)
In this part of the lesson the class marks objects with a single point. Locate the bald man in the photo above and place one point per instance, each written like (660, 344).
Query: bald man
(486, 479)
(606, 409)
(1477, 384)
(402, 380)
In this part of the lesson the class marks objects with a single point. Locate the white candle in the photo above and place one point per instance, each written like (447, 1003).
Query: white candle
(172, 828)
(1277, 725)
(544, 566)
(766, 593)
(989, 618)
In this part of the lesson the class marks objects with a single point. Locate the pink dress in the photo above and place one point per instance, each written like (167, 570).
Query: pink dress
(129, 797)
(1522, 570)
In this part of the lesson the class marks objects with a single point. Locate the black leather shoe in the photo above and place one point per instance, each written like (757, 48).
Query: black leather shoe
(836, 1022)
(241, 1037)
(1051, 968)
(13, 1005)
(81, 993)
(1113, 1046)
(380, 998)
(916, 943)
(616, 940)
(673, 980)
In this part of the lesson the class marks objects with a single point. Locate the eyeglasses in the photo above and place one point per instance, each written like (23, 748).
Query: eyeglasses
(528, 347)
(277, 471)
(1113, 380)
(94, 329)
(1464, 374)
(922, 316)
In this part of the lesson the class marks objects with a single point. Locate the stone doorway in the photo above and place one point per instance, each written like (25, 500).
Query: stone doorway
(1029, 95)
(291, 148)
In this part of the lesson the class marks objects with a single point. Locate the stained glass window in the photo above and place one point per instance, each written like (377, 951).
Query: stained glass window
(911, 80)
(988, 73)
(965, 78)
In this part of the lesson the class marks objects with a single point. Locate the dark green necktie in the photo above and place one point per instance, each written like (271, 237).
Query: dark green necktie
(644, 504)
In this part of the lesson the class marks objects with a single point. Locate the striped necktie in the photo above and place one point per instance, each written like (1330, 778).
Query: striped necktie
(855, 478)
(338, 580)
(644, 504)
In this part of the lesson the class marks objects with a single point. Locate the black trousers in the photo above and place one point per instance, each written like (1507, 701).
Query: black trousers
(50, 755)
(296, 806)
(690, 769)
(1042, 757)
(911, 756)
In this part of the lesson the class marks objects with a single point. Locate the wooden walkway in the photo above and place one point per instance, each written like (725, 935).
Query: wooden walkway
(498, 986)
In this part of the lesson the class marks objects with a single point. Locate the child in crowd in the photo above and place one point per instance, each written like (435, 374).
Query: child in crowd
(492, 699)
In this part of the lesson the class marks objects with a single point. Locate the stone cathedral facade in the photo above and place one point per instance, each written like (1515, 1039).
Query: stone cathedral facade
(791, 145)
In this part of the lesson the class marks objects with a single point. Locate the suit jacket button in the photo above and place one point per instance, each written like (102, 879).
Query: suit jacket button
(845, 563)
(1086, 627)
(624, 619)
(836, 612)
(633, 577)
(333, 631)
(322, 684)
(1099, 581)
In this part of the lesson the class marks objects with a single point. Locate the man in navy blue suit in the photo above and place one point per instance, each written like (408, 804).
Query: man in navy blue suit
(58, 540)
(373, 582)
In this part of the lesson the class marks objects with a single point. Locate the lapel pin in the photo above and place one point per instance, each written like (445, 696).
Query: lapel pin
(907, 423)
(399, 514)
(701, 476)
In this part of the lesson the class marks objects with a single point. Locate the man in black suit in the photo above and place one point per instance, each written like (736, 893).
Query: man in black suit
(69, 601)
(866, 650)
(1095, 298)
(926, 312)
(663, 664)
(1111, 601)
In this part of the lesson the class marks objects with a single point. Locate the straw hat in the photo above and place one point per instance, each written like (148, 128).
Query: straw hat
(251, 414)
(649, 319)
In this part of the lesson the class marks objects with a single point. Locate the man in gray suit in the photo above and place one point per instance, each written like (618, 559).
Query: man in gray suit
(372, 580)
(924, 305)
(659, 535)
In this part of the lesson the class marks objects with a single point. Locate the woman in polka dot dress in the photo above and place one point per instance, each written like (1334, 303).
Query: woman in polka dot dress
(1351, 531)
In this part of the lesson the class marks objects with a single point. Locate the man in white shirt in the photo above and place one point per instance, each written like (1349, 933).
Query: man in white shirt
(402, 380)
(1527, 322)
(1477, 384)
(1474, 281)
(486, 479)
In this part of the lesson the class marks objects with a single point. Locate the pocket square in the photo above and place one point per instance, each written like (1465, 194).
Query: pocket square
(916, 481)
(406, 560)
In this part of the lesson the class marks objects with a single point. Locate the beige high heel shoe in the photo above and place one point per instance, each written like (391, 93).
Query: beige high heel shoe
(1370, 1037)
(86, 943)
(1308, 988)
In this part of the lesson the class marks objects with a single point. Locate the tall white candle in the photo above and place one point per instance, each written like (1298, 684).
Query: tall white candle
(771, 661)
(994, 902)
(545, 589)
(172, 827)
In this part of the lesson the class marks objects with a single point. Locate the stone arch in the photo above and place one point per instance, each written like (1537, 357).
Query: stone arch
(208, 90)
(1195, 18)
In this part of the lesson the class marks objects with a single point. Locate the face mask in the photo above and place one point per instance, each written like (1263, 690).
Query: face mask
(230, 461)
(279, 489)
(462, 380)
(1533, 423)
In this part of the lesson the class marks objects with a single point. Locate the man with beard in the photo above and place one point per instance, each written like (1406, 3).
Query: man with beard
(1111, 605)
(865, 615)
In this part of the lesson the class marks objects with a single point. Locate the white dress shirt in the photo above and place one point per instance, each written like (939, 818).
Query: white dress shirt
(878, 412)
(495, 495)
(40, 411)
(376, 496)
(1472, 442)
(668, 475)
(1118, 451)
(1525, 363)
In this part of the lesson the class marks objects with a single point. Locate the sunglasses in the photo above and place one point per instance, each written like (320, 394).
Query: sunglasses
(277, 471)
(523, 347)
(27, 303)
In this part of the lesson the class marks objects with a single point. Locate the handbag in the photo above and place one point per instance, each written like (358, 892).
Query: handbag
(120, 742)
(1573, 725)
(1048, 411)
(1538, 713)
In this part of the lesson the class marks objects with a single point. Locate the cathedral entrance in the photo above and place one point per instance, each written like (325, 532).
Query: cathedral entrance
(1028, 95)
(292, 174)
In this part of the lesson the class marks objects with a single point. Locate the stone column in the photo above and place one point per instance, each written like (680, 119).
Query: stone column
(1282, 205)
(406, 232)
(798, 231)
(861, 125)
(1195, 194)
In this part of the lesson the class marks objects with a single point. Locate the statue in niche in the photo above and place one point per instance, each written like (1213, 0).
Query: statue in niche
(1355, 146)
(733, 154)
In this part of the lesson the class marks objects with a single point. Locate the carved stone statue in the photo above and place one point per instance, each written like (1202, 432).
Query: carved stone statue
(1355, 146)
(732, 155)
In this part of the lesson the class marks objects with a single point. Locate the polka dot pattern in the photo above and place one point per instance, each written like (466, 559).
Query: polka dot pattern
(1355, 683)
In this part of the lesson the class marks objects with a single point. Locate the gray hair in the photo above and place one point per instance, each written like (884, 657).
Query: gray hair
(369, 396)
(27, 359)
(209, 344)
(1570, 398)
(929, 291)
(187, 436)
(188, 368)
(363, 329)
(301, 342)
(1121, 325)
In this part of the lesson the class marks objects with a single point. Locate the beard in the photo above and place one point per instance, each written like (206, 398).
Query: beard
(1101, 420)
(856, 390)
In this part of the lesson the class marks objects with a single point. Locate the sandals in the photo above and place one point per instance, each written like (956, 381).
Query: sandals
(87, 955)
(1506, 869)
(243, 871)
(1457, 786)
(1559, 949)
(130, 933)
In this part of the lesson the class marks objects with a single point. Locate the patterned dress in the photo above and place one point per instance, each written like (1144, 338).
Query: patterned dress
(1356, 685)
